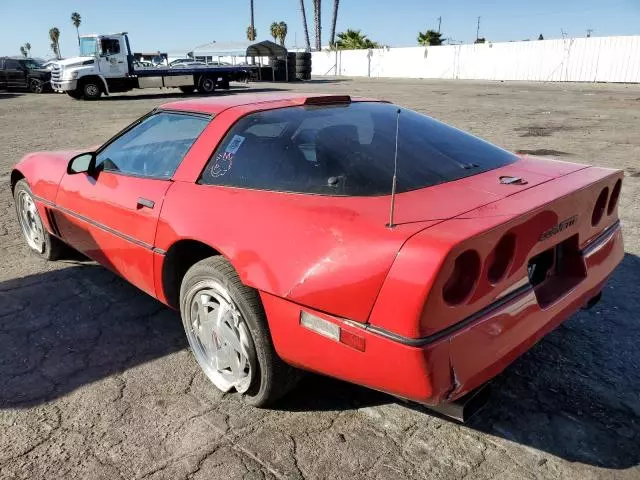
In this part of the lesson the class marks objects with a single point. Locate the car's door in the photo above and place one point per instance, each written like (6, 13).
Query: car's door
(16, 73)
(111, 213)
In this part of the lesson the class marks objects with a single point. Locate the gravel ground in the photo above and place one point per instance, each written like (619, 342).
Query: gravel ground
(96, 380)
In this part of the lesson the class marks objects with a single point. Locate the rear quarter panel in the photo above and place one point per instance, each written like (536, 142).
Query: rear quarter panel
(330, 253)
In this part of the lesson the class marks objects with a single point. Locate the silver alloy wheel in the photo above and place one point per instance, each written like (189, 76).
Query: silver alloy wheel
(30, 221)
(91, 90)
(219, 337)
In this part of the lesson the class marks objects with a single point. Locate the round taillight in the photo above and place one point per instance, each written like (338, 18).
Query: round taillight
(601, 204)
(615, 194)
(460, 284)
(501, 258)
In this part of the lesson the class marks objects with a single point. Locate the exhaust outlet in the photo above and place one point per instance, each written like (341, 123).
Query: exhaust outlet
(465, 407)
(593, 301)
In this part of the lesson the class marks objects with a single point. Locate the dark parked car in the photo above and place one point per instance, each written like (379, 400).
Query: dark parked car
(24, 74)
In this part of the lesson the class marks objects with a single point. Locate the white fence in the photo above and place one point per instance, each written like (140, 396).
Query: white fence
(596, 59)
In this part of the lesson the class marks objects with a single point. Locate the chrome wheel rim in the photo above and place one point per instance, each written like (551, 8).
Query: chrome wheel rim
(91, 90)
(219, 337)
(30, 221)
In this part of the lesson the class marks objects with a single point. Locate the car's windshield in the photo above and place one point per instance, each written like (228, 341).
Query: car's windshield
(347, 149)
(31, 64)
(88, 46)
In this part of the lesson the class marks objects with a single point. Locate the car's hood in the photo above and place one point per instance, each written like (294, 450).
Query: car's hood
(452, 199)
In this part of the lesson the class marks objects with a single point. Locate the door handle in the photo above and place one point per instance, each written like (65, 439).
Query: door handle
(143, 202)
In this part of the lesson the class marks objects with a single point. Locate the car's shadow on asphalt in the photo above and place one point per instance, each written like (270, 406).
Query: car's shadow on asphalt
(576, 395)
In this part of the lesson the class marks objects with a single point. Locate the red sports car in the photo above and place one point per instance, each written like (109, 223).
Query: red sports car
(344, 236)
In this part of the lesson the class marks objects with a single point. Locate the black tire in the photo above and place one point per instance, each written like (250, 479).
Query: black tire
(75, 94)
(187, 89)
(36, 86)
(52, 248)
(303, 69)
(91, 90)
(273, 378)
(207, 85)
(303, 56)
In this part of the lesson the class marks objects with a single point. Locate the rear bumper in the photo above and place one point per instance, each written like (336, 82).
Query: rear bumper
(446, 366)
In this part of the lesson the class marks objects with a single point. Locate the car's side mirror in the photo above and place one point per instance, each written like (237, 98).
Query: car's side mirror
(83, 163)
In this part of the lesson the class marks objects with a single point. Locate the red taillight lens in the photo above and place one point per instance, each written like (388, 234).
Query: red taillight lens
(601, 204)
(501, 257)
(615, 194)
(463, 279)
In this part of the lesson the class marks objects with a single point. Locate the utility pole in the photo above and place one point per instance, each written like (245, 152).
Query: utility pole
(589, 32)
(439, 23)
(478, 29)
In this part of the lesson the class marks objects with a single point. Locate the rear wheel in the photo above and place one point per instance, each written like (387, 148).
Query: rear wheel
(228, 334)
(187, 89)
(33, 229)
(207, 85)
(91, 90)
(36, 86)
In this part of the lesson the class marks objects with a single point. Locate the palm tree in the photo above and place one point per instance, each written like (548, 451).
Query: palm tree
(251, 31)
(54, 36)
(76, 20)
(317, 10)
(304, 26)
(282, 32)
(334, 20)
(274, 29)
(27, 47)
(23, 51)
(354, 40)
(430, 37)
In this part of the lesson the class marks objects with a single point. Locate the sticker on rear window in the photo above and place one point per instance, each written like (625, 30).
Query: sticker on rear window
(222, 164)
(234, 144)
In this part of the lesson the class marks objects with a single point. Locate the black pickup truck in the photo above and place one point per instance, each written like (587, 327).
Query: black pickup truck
(23, 74)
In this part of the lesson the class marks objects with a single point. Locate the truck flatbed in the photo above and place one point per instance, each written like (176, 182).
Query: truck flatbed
(170, 72)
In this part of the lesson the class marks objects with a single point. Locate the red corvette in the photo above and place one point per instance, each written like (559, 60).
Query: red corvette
(344, 236)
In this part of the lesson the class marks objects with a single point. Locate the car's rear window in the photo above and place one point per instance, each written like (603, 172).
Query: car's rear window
(346, 150)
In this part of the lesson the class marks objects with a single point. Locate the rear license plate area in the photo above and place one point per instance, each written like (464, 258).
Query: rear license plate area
(556, 271)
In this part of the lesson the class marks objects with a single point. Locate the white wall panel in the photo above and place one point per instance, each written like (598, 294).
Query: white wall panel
(596, 59)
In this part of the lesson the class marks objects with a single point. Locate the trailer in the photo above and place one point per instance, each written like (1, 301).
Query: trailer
(106, 65)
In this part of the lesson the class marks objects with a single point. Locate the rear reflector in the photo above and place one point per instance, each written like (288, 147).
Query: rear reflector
(331, 331)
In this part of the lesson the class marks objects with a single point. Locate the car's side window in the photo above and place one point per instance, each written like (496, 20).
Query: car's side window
(12, 64)
(153, 148)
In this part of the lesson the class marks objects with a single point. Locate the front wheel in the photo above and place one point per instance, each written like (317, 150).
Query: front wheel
(228, 334)
(91, 90)
(36, 86)
(35, 234)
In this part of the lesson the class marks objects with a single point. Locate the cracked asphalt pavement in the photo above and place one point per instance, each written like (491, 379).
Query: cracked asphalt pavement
(96, 379)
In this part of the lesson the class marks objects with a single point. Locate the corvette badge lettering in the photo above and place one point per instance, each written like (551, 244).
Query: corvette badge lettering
(558, 228)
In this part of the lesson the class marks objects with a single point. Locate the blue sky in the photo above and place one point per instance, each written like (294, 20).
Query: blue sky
(174, 26)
